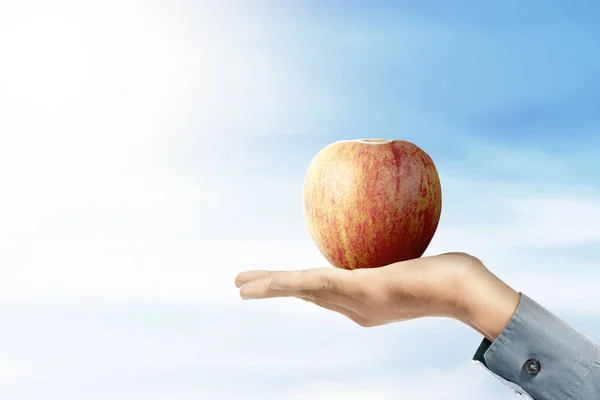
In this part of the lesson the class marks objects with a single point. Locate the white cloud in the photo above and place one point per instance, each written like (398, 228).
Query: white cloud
(459, 382)
(99, 100)
(529, 234)
(125, 347)
(91, 71)
(139, 253)
(559, 220)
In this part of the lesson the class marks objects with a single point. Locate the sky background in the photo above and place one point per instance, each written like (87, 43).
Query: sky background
(151, 150)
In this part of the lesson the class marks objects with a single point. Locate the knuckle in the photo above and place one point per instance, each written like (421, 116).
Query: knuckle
(326, 284)
(318, 277)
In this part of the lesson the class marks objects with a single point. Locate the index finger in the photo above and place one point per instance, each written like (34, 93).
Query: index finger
(332, 279)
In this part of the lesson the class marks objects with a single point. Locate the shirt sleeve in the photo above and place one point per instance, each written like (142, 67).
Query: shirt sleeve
(541, 357)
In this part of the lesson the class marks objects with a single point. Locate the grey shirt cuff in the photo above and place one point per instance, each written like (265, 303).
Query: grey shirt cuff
(538, 355)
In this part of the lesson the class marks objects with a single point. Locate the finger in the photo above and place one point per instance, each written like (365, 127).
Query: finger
(248, 276)
(260, 289)
(331, 279)
(352, 315)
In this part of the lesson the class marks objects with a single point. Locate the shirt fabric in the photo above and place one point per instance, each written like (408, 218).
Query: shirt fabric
(541, 357)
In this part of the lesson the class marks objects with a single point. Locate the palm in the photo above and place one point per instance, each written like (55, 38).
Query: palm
(369, 297)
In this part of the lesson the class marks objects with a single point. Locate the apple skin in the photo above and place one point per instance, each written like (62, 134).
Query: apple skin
(372, 202)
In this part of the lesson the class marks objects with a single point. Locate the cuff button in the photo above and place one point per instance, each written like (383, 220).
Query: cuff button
(532, 366)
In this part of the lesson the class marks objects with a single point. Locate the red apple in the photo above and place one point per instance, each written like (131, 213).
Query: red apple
(372, 202)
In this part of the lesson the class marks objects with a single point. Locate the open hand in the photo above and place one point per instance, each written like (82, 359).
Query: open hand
(428, 286)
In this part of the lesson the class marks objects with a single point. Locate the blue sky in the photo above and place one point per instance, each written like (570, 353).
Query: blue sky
(150, 151)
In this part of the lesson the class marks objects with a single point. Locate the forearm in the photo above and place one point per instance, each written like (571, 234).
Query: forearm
(527, 347)
(539, 354)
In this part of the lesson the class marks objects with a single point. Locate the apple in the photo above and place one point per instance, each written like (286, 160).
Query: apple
(371, 202)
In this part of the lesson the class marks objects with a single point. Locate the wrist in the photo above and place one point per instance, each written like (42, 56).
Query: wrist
(487, 304)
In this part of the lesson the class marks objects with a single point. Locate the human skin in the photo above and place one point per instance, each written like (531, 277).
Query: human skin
(451, 285)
